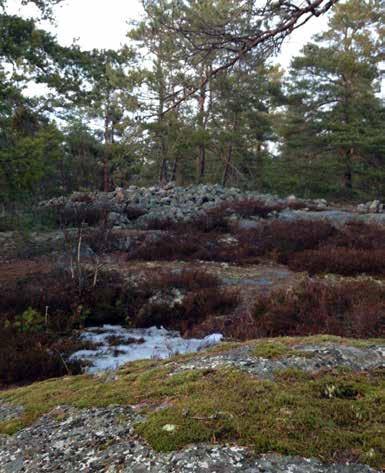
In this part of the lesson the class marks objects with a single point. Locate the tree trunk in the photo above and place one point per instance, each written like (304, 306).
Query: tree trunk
(163, 174)
(227, 165)
(162, 132)
(348, 173)
(230, 152)
(259, 162)
(174, 169)
(106, 173)
(202, 162)
(201, 165)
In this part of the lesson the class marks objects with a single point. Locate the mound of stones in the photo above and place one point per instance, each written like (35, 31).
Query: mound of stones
(135, 206)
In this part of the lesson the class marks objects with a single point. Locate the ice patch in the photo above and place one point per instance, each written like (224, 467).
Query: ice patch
(136, 344)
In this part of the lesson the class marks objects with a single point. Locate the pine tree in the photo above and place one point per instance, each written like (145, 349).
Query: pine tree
(335, 116)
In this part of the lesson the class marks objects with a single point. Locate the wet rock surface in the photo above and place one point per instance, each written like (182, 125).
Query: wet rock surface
(103, 440)
(311, 359)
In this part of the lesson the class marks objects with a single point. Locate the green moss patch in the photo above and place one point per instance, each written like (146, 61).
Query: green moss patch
(328, 416)
(290, 342)
(277, 350)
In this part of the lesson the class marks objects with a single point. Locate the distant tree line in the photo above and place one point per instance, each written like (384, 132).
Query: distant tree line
(195, 96)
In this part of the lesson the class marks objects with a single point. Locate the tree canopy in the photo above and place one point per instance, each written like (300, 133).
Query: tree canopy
(196, 95)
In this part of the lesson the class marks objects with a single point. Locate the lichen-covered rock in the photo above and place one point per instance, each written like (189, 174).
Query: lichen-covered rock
(9, 411)
(103, 440)
(307, 358)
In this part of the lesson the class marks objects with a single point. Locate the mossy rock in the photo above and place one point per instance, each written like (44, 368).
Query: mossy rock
(324, 415)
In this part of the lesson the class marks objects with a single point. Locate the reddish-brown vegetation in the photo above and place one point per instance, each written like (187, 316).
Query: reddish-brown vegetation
(349, 309)
(240, 325)
(276, 237)
(193, 301)
(56, 293)
(337, 260)
(360, 236)
(193, 308)
(75, 216)
(187, 247)
(33, 357)
(179, 300)
(213, 220)
(37, 315)
(52, 307)
(282, 238)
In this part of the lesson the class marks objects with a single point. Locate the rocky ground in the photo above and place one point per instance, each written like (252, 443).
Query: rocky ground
(105, 439)
(307, 358)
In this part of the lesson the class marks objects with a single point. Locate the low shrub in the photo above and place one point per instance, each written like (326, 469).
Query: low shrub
(167, 225)
(185, 279)
(339, 260)
(238, 325)
(167, 246)
(30, 321)
(178, 299)
(254, 207)
(75, 215)
(282, 238)
(276, 238)
(186, 247)
(190, 309)
(349, 309)
(30, 219)
(56, 294)
(38, 315)
(50, 302)
(213, 220)
(314, 246)
(298, 205)
(360, 236)
(217, 219)
(33, 358)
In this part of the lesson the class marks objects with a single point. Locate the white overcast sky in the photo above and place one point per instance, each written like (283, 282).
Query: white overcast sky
(103, 24)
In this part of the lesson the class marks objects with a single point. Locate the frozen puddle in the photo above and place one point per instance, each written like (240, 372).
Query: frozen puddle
(117, 345)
